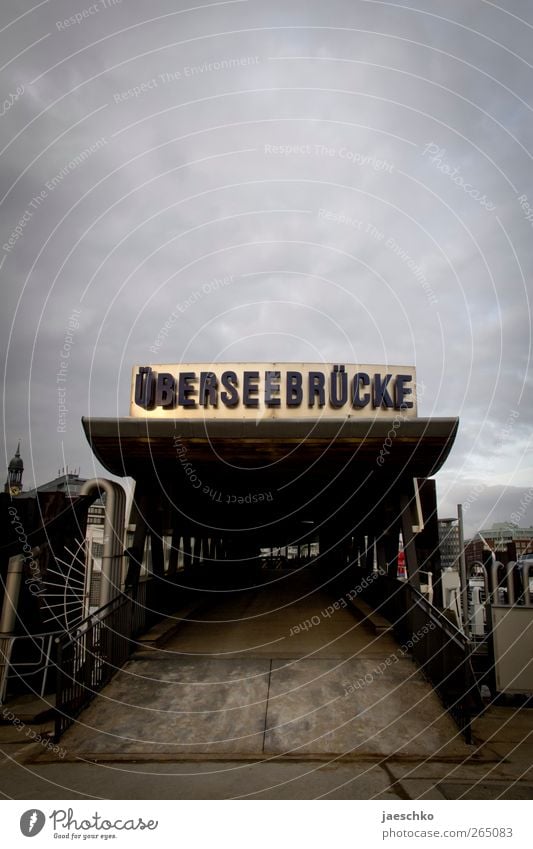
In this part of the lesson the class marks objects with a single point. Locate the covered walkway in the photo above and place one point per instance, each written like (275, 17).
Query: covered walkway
(285, 670)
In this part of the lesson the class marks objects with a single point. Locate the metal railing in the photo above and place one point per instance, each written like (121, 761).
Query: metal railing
(441, 650)
(88, 656)
(34, 670)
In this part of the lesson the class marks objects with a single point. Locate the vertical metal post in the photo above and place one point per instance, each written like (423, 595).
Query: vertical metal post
(409, 546)
(509, 575)
(6, 648)
(187, 555)
(462, 567)
(525, 582)
(59, 689)
(8, 616)
(174, 551)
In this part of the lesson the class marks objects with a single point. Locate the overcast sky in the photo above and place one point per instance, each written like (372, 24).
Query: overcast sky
(358, 174)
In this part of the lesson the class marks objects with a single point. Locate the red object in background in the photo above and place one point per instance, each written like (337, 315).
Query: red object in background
(402, 571)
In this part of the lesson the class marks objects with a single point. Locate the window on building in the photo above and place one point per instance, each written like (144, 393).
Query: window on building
(97, 549)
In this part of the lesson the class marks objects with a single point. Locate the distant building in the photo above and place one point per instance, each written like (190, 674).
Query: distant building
(449, 543)
(475, 551)
(13, 484)
(42, 562)
(69, 483)
(505, 539)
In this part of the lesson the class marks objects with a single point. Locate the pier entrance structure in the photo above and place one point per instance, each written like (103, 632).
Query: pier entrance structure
(231, 459)
(249, 658)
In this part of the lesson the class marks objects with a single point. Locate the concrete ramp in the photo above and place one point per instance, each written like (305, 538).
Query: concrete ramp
(242, 681)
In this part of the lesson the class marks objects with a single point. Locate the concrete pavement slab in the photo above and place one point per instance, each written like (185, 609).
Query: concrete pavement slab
(312, 708)
(177, 705)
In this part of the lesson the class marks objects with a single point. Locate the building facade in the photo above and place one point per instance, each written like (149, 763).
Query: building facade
(507, 540)
(450, 549)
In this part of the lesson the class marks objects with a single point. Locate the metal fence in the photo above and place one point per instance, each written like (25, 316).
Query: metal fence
(33, 670)
(89, 656)
(441, 650)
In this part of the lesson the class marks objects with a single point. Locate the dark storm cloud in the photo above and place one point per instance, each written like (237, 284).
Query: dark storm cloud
(315, 156)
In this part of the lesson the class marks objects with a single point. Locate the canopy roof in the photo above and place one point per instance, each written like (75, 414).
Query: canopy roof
(128, 446)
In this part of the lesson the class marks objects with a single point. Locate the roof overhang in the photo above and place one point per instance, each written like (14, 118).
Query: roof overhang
(125, 446)
(280, 471)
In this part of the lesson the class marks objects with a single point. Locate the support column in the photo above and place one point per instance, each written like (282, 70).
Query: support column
(369, 552)
(411, 560)
(381, 556)
(196, 550)
(187, 554)
(11, 595)
(391, 543)
(156, 539)
(136, 553)
(427, 541)
(174, 552)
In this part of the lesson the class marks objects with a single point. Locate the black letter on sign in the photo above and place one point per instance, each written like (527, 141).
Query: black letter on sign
(271, 387)
(339, 380)
(401, 390)
(381, 395)
(208, 389)
(316, 388)
(185, 389)
(229, 380)
(249, 388)
(145, 388)
(165, 395)
(294, 389)
(360, 379)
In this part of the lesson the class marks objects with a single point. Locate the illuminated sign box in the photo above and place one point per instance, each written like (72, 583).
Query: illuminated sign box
(272, 390)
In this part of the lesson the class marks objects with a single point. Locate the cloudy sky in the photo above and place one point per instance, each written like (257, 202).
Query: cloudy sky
(348, 181)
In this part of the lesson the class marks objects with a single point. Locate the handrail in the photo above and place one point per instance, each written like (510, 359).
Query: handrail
(88, 656)
(33, 667)
(443, 651)
(446, 624)
(98, 615)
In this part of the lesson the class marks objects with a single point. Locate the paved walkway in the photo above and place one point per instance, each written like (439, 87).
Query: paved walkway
(244, 702)
(250, 677)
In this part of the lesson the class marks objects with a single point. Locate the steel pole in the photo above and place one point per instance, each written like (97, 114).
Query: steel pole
(462, 567)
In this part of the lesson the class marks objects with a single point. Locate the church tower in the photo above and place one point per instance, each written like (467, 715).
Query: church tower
(13, 484)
